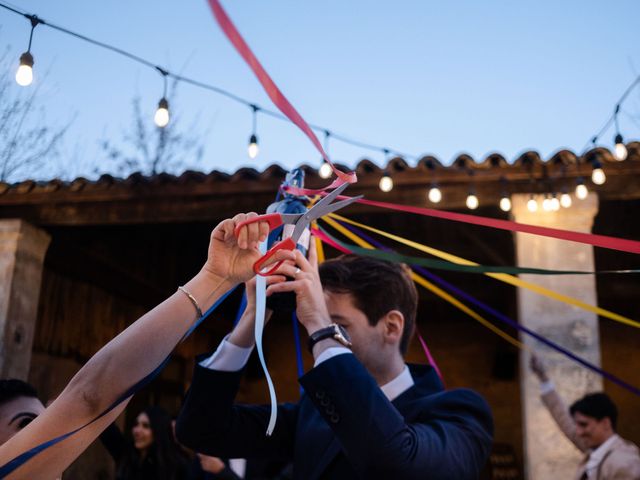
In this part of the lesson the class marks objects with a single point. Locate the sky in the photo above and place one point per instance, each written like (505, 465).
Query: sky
(421, 77)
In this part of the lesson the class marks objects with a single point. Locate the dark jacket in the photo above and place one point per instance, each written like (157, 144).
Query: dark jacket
(344, 427)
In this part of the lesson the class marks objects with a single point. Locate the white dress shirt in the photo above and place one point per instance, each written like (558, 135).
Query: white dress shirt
(596, 457)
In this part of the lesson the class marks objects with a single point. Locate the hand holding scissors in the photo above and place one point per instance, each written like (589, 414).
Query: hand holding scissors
(301, 221)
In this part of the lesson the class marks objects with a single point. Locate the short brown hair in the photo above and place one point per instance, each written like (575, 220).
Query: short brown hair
(377, 287)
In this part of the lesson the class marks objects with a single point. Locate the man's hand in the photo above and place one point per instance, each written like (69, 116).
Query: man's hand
(230, 258)
(311, 307)
(537, 367)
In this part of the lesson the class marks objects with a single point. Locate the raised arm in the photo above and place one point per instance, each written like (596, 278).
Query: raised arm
(134, 353)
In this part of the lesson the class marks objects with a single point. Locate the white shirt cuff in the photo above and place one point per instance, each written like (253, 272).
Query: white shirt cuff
(228, 357)
(329, 353)
(547, 387)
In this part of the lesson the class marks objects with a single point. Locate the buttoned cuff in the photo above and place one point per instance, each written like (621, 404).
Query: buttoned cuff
(228, 357)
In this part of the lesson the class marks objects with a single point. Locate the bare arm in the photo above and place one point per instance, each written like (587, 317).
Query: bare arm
(134, 353)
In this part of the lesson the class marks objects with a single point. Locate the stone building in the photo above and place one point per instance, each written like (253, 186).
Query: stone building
(81, 260)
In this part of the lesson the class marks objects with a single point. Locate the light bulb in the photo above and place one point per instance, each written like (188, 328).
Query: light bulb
(505, 204)
(546, 204)
(162, 113)
(532, 205)
(472, 201)
(620, 150)
(325, 170)
(581, 191)
(24, 75)
(435, 195)
(253, 147)
(386, 183)
(565, 200)
(555, 204)
(597, 176)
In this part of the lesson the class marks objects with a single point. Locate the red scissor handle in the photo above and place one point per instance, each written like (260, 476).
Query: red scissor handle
(286, 244)
(274, 220)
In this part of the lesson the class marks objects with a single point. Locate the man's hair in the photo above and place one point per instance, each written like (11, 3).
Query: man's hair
(598, 406)
(13, 388)
(377, 287)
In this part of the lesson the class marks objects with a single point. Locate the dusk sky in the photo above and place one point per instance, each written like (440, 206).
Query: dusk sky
(421, 77)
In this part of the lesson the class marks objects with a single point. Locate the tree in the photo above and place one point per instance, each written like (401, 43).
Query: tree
(27, 142)
(150, 149)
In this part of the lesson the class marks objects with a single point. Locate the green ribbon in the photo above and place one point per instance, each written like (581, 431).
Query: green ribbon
(454, 267)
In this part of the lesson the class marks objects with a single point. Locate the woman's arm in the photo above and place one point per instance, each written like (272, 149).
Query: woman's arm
(134, 353)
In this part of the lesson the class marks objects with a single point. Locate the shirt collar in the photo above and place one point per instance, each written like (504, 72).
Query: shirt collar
(596, 456)
(398, 385)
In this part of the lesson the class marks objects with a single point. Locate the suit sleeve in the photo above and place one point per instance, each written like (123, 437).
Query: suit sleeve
(451, 440)
(560, 413)
(211, 423)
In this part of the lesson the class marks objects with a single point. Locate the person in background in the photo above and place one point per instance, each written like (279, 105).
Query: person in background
(590, 424)
(19, 405)
(150, 453)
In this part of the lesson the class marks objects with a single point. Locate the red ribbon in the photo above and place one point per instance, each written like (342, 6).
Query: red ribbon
(274, 93)
(604, 241)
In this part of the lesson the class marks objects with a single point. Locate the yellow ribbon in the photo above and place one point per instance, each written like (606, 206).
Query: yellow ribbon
(503, 277)
(432, 288)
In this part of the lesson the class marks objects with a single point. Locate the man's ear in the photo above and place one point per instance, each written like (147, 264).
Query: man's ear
(393, 323)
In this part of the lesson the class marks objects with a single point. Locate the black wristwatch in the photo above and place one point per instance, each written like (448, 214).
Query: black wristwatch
(335, 331)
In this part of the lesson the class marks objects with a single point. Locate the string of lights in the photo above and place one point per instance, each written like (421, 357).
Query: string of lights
(24, 77)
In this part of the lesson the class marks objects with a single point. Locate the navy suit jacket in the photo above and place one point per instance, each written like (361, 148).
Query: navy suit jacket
(344, 427)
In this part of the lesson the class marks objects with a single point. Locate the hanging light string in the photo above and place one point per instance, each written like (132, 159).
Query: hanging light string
(613, 119)
(212, 88)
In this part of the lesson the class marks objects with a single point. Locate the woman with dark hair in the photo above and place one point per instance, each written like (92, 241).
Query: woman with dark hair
(151, 453)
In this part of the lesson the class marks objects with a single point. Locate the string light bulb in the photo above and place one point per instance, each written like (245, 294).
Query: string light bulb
(253, 149)
(555, 203)
(386, 183)
(597, 175)
(161, 118)
(619, 150)
(581, 189)
(546, 204)
(505, 203)
(435, 194)
(565, 200)
(325, 170)
(24, 74)
(472, 201)
(532, 204)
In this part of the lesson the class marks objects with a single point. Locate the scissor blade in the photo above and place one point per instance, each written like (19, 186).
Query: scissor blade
(326, 209)
(329, 197)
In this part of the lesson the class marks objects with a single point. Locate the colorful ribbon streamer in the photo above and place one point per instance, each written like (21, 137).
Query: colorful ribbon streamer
(503, 318)
(612, 243)
(515, 281)
(274, 93)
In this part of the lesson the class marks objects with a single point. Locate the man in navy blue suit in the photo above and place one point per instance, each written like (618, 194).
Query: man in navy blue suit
(365, 413)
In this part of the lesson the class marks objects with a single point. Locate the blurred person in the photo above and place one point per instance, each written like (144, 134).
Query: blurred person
(150, 453)
(19, 406)
(590, 424)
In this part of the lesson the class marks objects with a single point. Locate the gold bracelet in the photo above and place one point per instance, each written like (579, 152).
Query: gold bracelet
(193, 300)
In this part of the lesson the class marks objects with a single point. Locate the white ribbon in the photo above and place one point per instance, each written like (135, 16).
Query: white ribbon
(261, 305)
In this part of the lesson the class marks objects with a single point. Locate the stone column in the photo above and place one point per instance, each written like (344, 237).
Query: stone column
(548, 454)
(22, 250)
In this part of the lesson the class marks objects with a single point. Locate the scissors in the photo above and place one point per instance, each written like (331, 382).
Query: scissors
(301, 222)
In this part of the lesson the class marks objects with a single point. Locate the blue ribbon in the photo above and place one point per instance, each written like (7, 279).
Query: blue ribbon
(296, 337)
